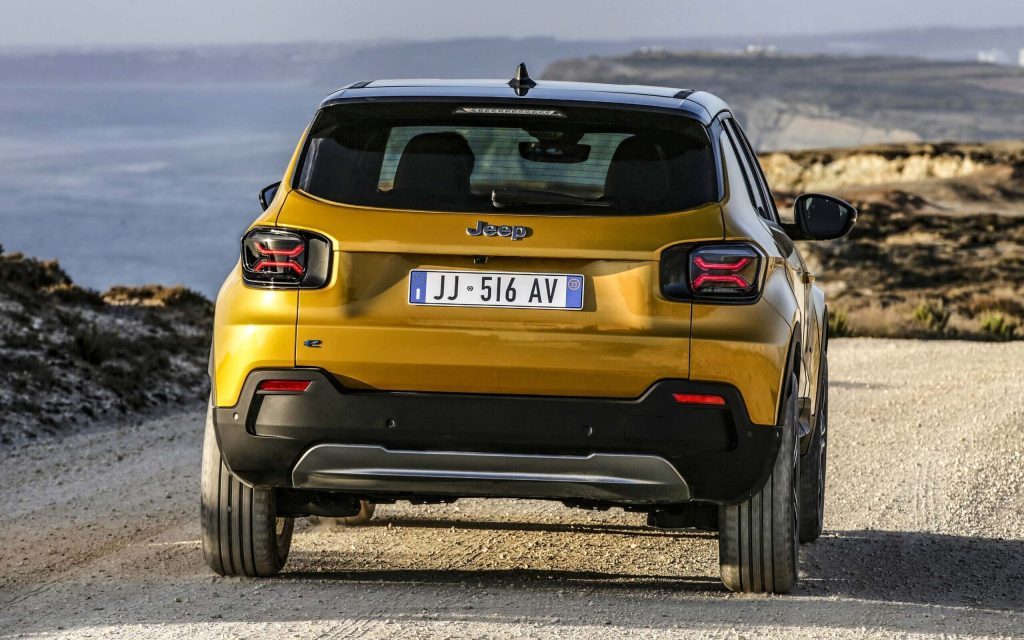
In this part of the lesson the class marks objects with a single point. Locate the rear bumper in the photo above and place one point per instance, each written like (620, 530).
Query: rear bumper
(648, 450)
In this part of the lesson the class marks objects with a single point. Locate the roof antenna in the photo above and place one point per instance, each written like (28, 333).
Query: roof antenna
(521, 82)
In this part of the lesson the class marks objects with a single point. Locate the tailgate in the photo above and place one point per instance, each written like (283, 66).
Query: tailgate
(369, 336)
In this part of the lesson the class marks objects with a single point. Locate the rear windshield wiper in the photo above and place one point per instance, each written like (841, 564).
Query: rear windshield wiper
(502, 198)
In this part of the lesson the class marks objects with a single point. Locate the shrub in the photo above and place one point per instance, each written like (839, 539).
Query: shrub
(73, 294)
(156, 296)
(29, 340)
(998, 326)
(933, 315)
(94, 345)
(839, 324)
(29, 274)
(34, 373)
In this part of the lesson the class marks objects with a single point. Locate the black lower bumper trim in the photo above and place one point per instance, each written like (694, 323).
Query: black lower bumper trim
(719, 454)
(609, 477)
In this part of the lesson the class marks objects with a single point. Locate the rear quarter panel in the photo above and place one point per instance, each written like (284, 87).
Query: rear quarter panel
(747, 346)
(252, 329)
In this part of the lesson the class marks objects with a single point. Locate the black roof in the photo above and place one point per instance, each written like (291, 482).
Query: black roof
(700, 104)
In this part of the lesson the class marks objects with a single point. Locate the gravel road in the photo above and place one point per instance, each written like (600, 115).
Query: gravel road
(924, 537)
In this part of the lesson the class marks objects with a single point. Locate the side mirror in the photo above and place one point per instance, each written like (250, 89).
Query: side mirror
(267, 194)
(821, 217)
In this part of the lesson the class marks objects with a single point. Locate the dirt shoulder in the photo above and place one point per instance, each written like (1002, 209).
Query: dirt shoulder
(924, 536)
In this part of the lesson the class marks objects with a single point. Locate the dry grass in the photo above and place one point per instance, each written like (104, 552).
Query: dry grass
(154, 295)
(924, 321)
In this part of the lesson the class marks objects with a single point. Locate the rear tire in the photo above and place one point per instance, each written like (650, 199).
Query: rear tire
(757, 544)
(812, 470)
(242, 535)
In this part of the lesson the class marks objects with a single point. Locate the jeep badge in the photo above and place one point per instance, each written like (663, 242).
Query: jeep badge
(503, 231)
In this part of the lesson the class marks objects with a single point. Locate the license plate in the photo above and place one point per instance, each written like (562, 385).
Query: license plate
(496, 289)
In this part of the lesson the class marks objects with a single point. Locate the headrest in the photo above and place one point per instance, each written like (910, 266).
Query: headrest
(436, 162)
(638, 172)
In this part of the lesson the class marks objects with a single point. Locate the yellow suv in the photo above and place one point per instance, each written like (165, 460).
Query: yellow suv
(543, 290)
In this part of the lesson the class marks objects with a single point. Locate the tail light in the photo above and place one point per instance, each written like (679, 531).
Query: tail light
(711, 272)
(286, 259)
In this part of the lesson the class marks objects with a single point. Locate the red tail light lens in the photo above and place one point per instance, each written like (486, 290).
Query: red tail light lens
(274, 256)
(728, 272)
(280, 258)
(295, 386)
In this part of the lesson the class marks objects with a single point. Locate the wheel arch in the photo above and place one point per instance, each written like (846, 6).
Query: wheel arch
(791, 370)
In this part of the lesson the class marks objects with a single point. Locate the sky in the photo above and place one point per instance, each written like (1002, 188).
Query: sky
(49, 23)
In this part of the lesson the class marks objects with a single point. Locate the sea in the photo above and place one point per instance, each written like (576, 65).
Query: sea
(137, 184)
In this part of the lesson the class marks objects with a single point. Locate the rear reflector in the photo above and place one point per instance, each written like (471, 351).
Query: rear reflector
(296, 386)
(693, 398)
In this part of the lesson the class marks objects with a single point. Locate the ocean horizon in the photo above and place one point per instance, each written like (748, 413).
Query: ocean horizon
(142, 184)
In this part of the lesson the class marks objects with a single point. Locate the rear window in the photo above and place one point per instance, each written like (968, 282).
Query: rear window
(454, 157)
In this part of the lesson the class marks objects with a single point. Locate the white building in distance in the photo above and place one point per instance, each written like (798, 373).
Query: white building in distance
(990, 56)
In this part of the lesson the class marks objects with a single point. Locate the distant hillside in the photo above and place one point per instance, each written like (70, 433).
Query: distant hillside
(926, 165)
(938, 250)
(328, 65)
(331, 64)
(796, 102)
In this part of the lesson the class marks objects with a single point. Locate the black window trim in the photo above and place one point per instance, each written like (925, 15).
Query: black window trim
(766, 191)
(753, 191)
(710, 129)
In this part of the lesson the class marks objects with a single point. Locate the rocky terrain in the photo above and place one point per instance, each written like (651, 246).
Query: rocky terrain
(70, 356)
(938, 250)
